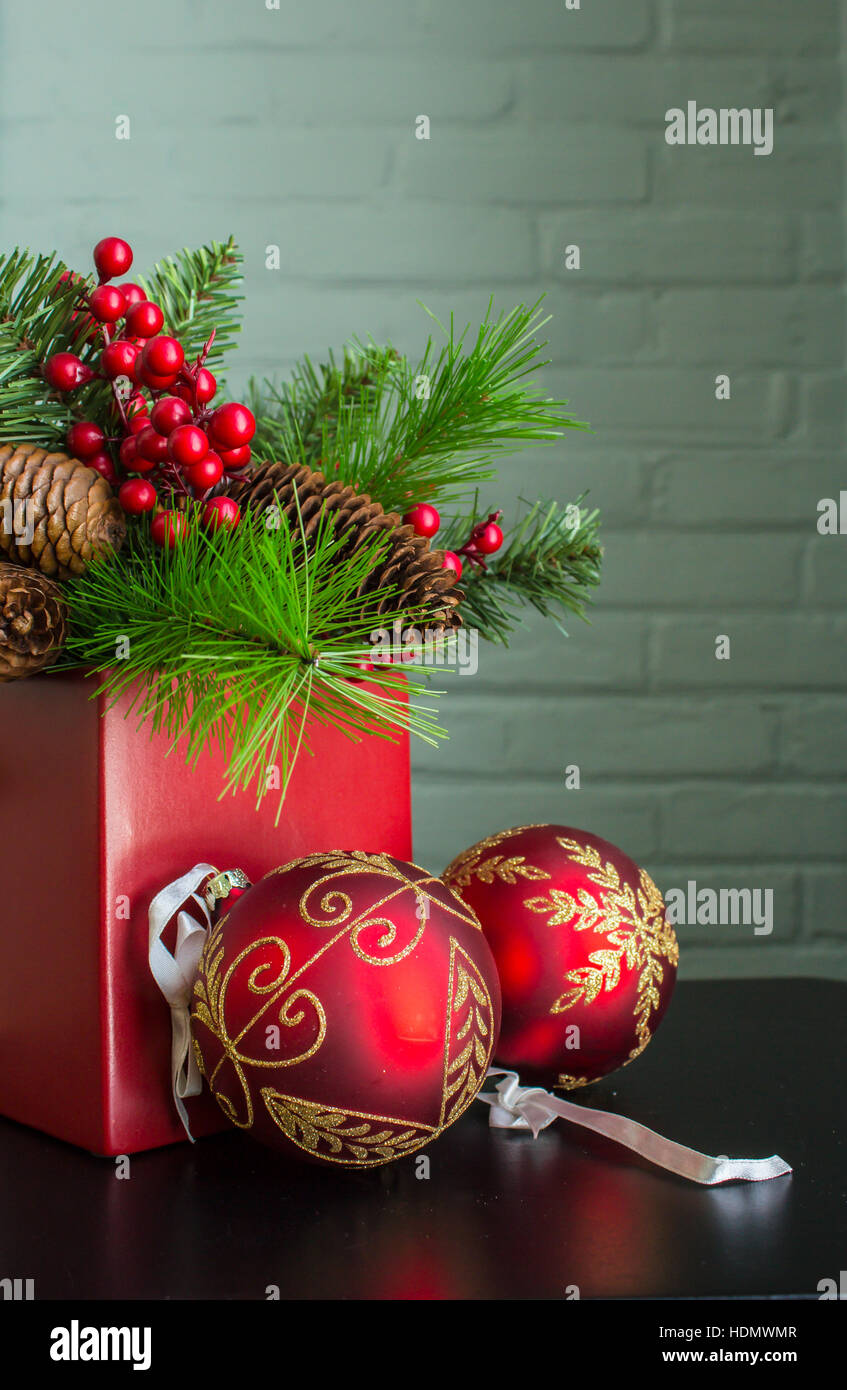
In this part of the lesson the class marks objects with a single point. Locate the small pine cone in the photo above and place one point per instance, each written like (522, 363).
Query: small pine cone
(409, 565)
(72, 510)
(32, 622)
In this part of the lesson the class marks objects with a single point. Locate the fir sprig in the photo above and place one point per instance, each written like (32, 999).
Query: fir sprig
(36, 309)
(237, 638)
(197, 293)
(427, 432)
(550, 561)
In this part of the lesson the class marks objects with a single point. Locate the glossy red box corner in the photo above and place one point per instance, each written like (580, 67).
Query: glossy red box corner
(95, 818)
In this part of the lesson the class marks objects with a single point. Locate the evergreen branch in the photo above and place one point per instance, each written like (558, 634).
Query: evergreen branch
(550, 561)
(196, 291)
(235, 638)
(36, 319)
(406, 434)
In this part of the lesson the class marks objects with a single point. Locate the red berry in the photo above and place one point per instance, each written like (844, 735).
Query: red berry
(64, 371)
(152, 381)
(188, 445)
(221, 512)
(136, 405)
(489, 538)
(143, 319)
(112, 257)
(132, 293)
(206, 473)
(205, 386)
(162, 356)
(102, 464)
(129, 451)
(168, 528)
(137, 496)
(232, 425)
(424, 518)
(451, 561)
(169, 413)
(233, 459)
(119, 358)
(107, 304)
(151, 446)
(85, 439)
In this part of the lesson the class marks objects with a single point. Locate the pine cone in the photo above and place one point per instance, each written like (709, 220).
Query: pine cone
(409, 565)
(74, 513)
(32, 622)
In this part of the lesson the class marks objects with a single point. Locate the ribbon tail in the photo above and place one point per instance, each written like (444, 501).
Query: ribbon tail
(519, 1107)
(665, 1153)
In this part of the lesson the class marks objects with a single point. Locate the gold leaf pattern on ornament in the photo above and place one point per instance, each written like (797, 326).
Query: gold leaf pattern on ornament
(351, 1137)
(469, 1035)
(636, 930)
(473, 864)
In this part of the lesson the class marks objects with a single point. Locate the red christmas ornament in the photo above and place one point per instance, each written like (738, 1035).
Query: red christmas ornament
(586, 958)
(451, 561)
(347, 1007)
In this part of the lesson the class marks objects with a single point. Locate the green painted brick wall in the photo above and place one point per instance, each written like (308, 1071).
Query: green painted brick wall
(295, 127)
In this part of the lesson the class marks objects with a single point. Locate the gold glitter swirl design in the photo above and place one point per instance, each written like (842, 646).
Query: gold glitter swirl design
(472, 863)
(209, 1008)
(637, 934)
(362, 1140)
(372, 933)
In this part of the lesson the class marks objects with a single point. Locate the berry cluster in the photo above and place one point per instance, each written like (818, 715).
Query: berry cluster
(485, 538)
(175, 445)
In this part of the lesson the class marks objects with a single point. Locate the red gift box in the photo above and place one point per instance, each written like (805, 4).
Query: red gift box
(95, 820)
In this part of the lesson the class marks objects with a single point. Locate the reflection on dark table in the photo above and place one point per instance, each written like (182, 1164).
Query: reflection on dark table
(741, 1067)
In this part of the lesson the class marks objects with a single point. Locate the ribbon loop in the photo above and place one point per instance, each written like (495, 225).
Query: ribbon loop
(514, 1106)
(175, 974)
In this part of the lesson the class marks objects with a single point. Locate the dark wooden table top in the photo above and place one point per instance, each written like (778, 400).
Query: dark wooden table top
(741, 1067)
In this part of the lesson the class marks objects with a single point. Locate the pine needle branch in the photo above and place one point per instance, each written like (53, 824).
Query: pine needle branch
(550, 561)
(408, 433)
(235, 638)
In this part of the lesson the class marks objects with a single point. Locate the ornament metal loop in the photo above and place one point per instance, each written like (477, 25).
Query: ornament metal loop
(220, 887)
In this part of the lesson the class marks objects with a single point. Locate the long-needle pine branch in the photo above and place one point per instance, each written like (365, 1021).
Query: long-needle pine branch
(236, 638)
(406, 433)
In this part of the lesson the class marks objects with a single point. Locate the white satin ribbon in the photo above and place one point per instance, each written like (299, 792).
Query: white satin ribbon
(175, 974)
(514, 1106)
